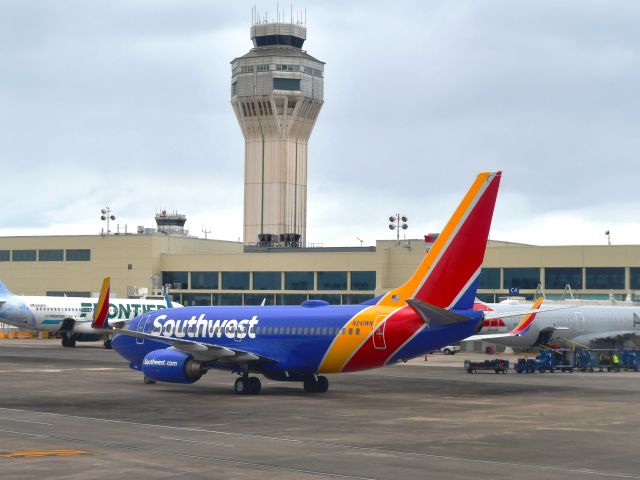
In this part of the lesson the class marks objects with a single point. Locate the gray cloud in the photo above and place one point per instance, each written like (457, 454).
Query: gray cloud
(127, 103)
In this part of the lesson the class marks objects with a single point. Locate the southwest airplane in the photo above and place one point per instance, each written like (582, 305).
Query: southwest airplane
(70, 316)
(587, 326)
(302, 343)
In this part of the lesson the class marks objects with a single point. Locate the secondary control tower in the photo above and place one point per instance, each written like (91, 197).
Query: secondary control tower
(276, 93)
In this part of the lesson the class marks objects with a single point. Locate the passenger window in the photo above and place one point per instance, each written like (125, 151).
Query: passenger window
(312, 331)
(357, 331)
(351, 331)
(324, 331)
(270, 330)
(288, 331)
(281, 330)
(343, 331)
(306, 331)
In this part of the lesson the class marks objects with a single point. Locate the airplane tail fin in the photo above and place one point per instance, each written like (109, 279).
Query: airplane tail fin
(528, 319)
(101, 312)
(4, 291)
(448, 275)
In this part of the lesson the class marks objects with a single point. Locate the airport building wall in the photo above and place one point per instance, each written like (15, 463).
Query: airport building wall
(203, 271)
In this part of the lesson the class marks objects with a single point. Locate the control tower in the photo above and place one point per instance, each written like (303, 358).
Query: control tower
(276, 93)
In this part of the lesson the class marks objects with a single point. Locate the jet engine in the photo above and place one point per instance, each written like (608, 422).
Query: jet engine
(172, 366)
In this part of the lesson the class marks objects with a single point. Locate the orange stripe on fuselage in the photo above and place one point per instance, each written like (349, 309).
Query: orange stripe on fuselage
(345, 345)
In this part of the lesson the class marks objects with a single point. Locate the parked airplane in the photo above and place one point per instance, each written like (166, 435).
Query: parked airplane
(591, 326)
(70, 316)
(297, 343)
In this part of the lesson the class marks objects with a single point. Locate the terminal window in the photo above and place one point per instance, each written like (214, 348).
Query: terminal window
(267, 281)
(24, 255)
(5, 255)
(605, 278)
(489, 279)
(559, 278)
(196, 299)
(355, 298)
(521, 277)
(78, 255)
(204, 280)
(175, 279)
(290, 299)
(235, 281)
(298, 280)
(363, 281)
(258, 298)
(634, 278)
(51, 255)
(332, 280)
(229, 299)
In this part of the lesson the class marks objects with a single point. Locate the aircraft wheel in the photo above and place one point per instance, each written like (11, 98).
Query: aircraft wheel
(241, 387)
(149, 381)
(310, 385)
(473, 370)
(254, 385)
(323, 384)
(68, 341)
(107, 343)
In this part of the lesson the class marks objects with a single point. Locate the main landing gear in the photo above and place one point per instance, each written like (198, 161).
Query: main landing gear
(107, 343)
(68, 340)
(313, 384)
(246, 385)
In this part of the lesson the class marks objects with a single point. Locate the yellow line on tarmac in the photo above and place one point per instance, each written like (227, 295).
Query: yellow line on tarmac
(41, 453)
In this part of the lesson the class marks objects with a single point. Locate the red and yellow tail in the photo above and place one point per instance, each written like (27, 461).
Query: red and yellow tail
(101, 312)
(448, 275)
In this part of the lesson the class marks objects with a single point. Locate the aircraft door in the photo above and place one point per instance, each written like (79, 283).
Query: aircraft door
(579, 321)
(141, 328)
(379, 342)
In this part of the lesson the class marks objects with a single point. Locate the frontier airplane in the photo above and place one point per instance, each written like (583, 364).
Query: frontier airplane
(302, 343)
(70, 316)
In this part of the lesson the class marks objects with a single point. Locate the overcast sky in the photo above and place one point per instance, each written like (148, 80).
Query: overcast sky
(127, 104)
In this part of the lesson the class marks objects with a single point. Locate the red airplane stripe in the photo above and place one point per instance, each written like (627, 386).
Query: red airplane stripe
(442, 287)
(398, 329)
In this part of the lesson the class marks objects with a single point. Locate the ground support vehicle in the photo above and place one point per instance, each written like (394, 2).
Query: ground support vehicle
(630, 359)
(497, 365)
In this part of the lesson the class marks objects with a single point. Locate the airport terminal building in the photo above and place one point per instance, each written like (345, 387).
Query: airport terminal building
(277, 91)
(214, 272)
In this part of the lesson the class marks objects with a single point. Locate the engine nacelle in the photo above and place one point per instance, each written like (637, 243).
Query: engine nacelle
(172, 366)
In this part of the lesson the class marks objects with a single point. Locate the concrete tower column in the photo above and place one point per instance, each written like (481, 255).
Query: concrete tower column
(276, 94)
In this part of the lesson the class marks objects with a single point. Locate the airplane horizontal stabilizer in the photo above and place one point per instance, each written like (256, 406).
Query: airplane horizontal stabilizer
(433, 315)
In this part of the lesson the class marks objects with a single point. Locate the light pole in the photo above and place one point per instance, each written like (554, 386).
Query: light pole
(608, 234)
(361, 241)
(397, 223)
(106, 215)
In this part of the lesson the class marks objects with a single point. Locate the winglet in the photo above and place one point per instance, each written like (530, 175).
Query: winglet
(101, 312)
(167, 298)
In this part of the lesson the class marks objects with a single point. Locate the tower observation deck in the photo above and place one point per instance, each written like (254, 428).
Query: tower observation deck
(276, 94)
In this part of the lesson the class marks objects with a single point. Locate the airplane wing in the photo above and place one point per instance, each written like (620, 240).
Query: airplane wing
(201, 351)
